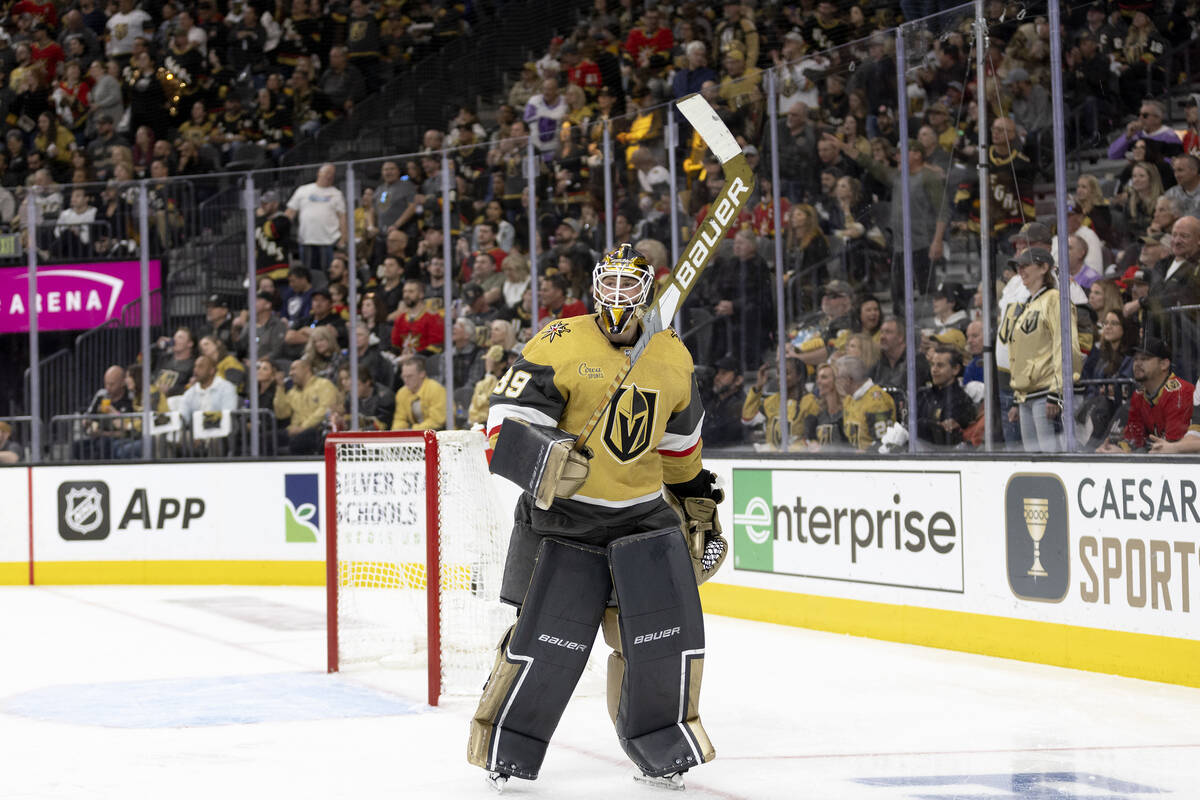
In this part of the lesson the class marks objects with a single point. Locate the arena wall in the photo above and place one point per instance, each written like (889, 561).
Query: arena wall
(935, 552)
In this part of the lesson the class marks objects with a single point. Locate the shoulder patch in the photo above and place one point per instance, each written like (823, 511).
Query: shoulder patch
(1173, 384)
(553, 330)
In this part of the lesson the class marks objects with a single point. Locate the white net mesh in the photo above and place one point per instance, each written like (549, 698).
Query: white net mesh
(381, 543)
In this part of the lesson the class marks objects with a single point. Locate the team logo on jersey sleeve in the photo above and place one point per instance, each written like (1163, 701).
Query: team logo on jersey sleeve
(553, 330)
(629, 424)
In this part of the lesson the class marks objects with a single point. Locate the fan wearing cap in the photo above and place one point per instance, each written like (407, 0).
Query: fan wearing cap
(947, 308)
(723, 400)
(1160, 410)
(741, 89)
(219, 322)
(1031, 329)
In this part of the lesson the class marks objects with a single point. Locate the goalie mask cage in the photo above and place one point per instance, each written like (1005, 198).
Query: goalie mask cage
(415, 555)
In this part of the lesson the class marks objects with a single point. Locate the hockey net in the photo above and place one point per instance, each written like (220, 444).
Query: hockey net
(416, 549)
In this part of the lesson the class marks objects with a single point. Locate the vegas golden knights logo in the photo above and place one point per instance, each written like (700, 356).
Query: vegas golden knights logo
(629, 423)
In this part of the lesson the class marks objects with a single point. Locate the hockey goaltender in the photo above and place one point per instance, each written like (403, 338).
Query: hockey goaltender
(595, 540)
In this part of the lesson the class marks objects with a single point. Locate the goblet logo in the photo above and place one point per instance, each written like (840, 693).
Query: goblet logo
(1037, 514)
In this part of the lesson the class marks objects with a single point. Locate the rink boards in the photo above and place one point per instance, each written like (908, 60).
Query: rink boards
(935, 552)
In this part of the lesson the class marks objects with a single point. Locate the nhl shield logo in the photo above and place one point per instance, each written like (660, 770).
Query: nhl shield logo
(629, 424)
(83, 510)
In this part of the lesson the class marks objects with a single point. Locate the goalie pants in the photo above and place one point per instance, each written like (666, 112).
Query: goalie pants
(656, 632)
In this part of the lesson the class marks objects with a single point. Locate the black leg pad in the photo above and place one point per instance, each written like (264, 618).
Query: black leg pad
(541, 659)
(662, 642)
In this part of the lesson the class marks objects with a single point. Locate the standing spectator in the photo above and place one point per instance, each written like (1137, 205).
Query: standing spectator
(544, 113)
(272, 234)
(943, 408)
(321, 209)
(1186, 191)
(297, 297)
(723, 402)
(208, 392)
(1010, 185)
(342, 83)
(394, 198)
(124, 28)
(1162, 405)
(420, 401)
(867, 410)
(1031, 331)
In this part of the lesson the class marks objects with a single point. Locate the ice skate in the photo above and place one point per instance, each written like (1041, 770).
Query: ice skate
(674, 781)
(498, 780)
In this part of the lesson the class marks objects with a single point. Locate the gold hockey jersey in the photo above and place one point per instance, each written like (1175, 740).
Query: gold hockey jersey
(867, 414)
(768, 408)
(650, 433)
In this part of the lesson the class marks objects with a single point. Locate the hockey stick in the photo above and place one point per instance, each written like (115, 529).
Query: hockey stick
(739, 180)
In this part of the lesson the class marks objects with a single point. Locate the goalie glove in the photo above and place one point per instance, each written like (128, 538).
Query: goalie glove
(696, 501)
(566, 470)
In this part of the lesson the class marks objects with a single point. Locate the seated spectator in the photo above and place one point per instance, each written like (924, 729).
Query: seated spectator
(101, 435)
(867, 410)
(553, 302)
(496, 362)
(468, 356)
(218, 320)
(1081, 273)
(10, 451)
(1175, 281)
(376, 404)
(172, 371)
(1094, 208)
(833, 326)
(948, 308)
(863, 347)
(208, 392)
(374, 314)
(1186, 191)
(867, 317)
(723, 401)
(943, 408)
(806, 252)
(269, 328)
(892, 370)
(321, 315)
(322, 353)
(824, 430)
(1140, 198)
(501, 332)
(1162, 405)
(1149, 125)
(475, 305)
(1190, 443)
(420, 401)
(227, 366)
(973, 371)
(417, 329)
(758, 408)
(371, 357)
(1105, 296)
(73, 234)
(305, 408)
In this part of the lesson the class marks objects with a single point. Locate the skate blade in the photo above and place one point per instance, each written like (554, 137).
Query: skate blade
(497, 780)
(673, 782)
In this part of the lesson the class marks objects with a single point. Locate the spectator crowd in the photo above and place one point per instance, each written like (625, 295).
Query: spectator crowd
(606, 85)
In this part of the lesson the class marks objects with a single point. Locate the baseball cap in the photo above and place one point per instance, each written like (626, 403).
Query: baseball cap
(1014, 75)
(1154, 346)
(948, 290)
(795, 36)
(1034, 255)
(1033, 232)
(837, 287)
(269, 196)
(727, 364)
(1162, 238)
(216, 300)
(571, 223)
(322, 292)
(954, 338)
(750, 150)
(270, 298)
(472, 292)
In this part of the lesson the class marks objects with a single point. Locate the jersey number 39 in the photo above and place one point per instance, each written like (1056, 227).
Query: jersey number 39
(512, 384)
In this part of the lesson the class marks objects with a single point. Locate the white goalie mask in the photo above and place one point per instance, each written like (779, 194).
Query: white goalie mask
(621, 283)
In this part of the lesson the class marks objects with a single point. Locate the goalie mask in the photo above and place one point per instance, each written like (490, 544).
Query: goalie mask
(621, 284)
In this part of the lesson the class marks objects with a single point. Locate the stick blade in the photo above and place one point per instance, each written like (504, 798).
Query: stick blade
(710, 127)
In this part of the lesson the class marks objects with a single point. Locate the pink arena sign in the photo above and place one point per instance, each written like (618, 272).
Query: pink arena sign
(71, 296)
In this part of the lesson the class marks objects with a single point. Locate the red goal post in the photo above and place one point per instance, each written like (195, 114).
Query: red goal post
(413, 565)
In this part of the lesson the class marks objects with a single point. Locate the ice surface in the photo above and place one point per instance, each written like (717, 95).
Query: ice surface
(219, 693)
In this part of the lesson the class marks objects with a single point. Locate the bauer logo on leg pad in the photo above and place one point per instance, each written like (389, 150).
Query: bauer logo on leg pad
(651, 637)
(566, 643)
